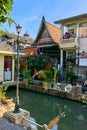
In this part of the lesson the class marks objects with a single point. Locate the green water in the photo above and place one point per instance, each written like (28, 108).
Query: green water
(44, 108)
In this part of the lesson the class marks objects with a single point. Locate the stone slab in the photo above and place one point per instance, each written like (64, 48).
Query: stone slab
(17, 117)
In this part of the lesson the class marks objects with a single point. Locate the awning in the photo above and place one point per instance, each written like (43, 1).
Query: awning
(46, 45)
(30, 51)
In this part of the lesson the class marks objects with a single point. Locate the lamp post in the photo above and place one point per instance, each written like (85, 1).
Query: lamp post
(77, 61)
(77, 58)
(17, 110)
(1, 87)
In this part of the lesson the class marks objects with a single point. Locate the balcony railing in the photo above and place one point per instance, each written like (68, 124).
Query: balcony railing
(68, 43)
(70, 40)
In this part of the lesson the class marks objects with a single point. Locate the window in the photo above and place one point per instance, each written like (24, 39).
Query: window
(83, 25)
(71, 31)
(7, 68)
(83, 29)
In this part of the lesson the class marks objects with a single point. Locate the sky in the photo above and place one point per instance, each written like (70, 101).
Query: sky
(29, 13)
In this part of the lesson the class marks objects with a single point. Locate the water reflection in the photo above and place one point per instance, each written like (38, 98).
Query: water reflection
(55, 127)
(44, 108)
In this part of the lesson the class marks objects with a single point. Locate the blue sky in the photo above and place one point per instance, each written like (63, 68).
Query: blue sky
(28, 13)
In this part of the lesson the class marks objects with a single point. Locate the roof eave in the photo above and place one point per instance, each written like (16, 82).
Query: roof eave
(10, 53)
(70, 18)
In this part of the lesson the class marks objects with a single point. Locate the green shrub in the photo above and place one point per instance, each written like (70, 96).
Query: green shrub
(3, 90)
(71, 76)
(49, 76)
(27, 74)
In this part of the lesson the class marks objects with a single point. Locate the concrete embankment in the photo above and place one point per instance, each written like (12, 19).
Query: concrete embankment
(53, 92)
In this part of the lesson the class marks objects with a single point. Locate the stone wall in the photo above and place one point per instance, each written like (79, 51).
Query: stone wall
(82, 72)
(52, 92)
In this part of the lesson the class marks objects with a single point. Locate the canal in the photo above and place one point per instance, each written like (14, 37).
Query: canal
(44, 108)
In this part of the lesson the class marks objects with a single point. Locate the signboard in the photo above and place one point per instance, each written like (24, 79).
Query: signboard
(83, 62)
(7, 75)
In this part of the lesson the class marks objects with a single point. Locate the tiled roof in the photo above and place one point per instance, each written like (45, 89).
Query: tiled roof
(6, 48)
(30, 51)
(13, 38)
(54, 32)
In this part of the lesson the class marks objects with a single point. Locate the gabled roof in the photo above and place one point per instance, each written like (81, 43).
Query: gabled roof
(53, 31)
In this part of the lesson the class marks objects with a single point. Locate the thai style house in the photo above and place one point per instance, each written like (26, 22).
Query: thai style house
(74, 41)
(47, 41)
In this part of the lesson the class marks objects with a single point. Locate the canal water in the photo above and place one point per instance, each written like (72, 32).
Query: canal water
(44, 108)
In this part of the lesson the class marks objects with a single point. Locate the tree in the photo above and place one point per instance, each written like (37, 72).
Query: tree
(36, 63)
(5, 8)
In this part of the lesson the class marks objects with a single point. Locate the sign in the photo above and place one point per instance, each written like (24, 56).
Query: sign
(83, 62)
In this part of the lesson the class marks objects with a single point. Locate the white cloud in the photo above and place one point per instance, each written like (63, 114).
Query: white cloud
(33, 18)
(26, 20)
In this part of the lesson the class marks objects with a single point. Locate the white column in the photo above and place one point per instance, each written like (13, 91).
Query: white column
(77, 30)
(61, 58)
(77, 36)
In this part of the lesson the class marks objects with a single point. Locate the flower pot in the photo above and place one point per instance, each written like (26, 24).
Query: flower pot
(25, 81)
(5, 100)
(46, 85)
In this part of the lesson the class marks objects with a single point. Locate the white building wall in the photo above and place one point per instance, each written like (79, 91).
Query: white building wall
(1, 67)
(83, 44)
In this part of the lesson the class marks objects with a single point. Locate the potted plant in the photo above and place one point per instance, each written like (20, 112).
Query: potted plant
(49, 79)
(3, 97)
(3, 91)
(27, 76)
(71, 77)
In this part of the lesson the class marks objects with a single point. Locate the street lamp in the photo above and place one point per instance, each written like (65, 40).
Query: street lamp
(77, 61)
(77, 58)
(17, 110)
(1, 87)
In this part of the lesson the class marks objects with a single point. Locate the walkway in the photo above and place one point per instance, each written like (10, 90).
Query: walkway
(5, 124)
